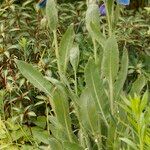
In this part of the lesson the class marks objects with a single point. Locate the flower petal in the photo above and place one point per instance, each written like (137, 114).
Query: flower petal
(102, 10)
(42, 3)
(124, 2)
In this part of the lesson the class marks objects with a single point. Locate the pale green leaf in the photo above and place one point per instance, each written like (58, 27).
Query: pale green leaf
(40, 135)
(138, 85)
(95, 84)
(92, 17)
(96, 33)
(110, 62)
(31, 113)
(40, 122)
(52, 14)
(57, 129)
(61, 109)
(122, 75)
(71, 146)
(74, 56)
(88, 112)
(144, 101)
(129, 142)
(64, 48)
(54, 144)
(34, 76)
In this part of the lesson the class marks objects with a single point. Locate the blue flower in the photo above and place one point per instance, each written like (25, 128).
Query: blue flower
(42, 3)
(102, 10)
(124, 2)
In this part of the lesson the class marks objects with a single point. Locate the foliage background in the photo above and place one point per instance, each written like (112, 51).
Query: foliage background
(27, 115)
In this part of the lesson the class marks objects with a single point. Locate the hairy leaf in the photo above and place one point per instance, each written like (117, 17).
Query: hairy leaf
(110, 62)
(52, 14)
(64, 48)
(34, 76)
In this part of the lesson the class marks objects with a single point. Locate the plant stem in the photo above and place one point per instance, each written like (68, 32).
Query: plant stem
(56, 51)
(95, 51)
(47, 119)
(140, 136)
(111, 95)
(108, 19)
(75, 80)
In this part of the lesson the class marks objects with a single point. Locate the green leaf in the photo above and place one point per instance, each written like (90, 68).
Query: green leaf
(95, 84)
(52, 14)
(122, 75)
(54, 144)
(61, 109)
(138, 85)
(96, 33)
(58, 130)
(31, 113)
(88, 112)
(40, 122)
(71, 146)
(112, 139)
(40, 135)
(110, 62)
(144, 101)
(34, 76)
(109, 6)
(92, 17)
(17, 134)
(74, 56)
(129, 142)
(64, 48)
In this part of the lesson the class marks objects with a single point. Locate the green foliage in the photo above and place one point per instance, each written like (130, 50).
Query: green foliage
(137, 114)
(34, 77)
(64, 48)
(52, 14)
(91, 75)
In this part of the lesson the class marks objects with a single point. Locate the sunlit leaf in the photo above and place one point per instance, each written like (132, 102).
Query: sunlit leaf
(110, 63)
(64, 48)
(52, 14)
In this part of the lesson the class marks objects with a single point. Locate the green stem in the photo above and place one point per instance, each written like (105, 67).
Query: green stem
(140, 137)
(111, 96)
(74, 98)
(95, 51)
(56, 51)
(47, 119)
(99, 144)
(108, 19)
(75, 84)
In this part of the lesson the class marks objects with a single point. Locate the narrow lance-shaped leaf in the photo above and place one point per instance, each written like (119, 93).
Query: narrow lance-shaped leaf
(110, 62)
(129, 142)
(74, 56)
(95, 84)
(64, 48)
(144, 101)
(61, 109)
(88, 112)
(138, 85)
(92, 17)
(57, 129)
(122, 75)
(97, 34)
(109, 5)
(34, 76)
(54, 144)
(52, 14)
